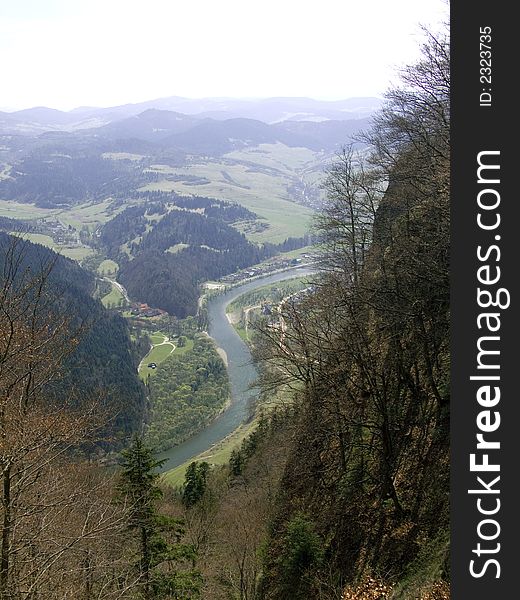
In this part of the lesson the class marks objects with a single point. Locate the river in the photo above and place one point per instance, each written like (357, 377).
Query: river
(241, 371)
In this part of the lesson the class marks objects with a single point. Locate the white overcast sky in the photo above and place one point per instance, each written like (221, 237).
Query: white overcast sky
(68, 53)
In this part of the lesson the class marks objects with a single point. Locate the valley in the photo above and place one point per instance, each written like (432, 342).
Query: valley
(232, 423)
(226, 342)
(225, 348)
(169, 199)
(155, 204)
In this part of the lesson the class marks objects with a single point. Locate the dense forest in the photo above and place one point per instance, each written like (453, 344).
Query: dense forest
(7, 224)
(187, 391)
(53, 179)
(104, 358)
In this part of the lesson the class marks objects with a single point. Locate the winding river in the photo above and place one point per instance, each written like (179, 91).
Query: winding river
(242, 373)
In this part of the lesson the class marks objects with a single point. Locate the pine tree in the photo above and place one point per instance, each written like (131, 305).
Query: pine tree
(194, 483)
(158, 535)
(236, 463)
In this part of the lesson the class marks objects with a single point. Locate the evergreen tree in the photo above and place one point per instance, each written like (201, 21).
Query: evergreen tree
(302, 550)
(195, 483)
(159, 546)
(236, 462)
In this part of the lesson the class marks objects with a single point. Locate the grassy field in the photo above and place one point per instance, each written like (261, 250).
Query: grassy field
(183, 349)
(83, 214)
(261, 187)
(38, 238)
(297, 253)
(24, 212)
(177, 248)
(123, 156)
(279, 156)
(157, 354)
(88, 215)
(157, 338)
(107, 266)
(242, 332)
(160, 352)
(77, 253)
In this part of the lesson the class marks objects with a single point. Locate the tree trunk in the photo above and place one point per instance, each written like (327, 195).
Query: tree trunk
(145, 563)
(6, 535)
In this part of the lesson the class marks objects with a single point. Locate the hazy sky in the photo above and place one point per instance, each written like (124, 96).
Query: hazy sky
(68, 53)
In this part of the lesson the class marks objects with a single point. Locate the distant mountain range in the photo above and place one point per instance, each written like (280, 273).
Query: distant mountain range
(59, 159)
(56, 167)
(208, 136)
(153, 130)
(269, 110)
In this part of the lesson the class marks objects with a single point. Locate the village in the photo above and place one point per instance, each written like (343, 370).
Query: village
(278, 263)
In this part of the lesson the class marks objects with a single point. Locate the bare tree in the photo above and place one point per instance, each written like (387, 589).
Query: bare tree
(53, 502)
(344, 225)
(368, 352)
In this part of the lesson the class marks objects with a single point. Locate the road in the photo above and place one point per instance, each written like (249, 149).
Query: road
(165, 341)
(119, 287)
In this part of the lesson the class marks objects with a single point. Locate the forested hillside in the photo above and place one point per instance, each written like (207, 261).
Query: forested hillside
(56, 176)
(169, 245)
(70, 528)
(103, 359)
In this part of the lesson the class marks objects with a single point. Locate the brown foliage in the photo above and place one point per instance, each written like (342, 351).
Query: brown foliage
(368, 589)
(373, 589)
(55, 505)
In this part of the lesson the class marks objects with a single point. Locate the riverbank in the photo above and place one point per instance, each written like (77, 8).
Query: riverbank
(188, 391)
(217, 455)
